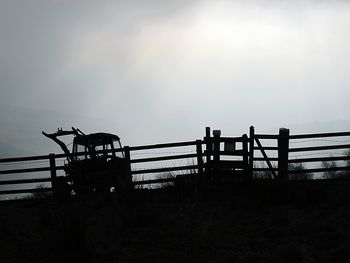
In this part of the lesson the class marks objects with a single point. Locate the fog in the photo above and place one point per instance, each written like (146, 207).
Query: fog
(163, 70)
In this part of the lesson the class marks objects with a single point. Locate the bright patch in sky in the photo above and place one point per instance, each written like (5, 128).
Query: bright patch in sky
(160, 66)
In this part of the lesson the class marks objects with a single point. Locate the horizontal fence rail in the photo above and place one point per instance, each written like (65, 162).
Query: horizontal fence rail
(286, 165)
(319, 135)
(321, 170)
(319, 159)
(164, 145)
(330, 165)
(29, 170)
(26, 191)
(51, 159)
(163, 158)
(320, 148)
(26, 181)
(165, 169)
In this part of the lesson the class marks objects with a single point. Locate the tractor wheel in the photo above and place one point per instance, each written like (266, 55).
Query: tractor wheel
(79, 190)
(61, 188)
(103, 189)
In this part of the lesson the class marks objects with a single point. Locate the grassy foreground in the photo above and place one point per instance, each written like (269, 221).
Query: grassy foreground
(301, 222)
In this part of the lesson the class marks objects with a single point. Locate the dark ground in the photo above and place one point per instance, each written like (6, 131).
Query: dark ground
(299, 222)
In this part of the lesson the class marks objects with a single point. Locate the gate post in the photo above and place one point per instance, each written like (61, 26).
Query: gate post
(283, 147)
(208, 149)
(128, 168)
(208, 144)
(245, 157)
(216, 158)
(53, 173)
(251, 151)
(199, 178)
(199, 158)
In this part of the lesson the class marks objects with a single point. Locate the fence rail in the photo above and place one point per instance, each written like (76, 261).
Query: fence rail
(208, 156)
(319, 135)
(320, 148)
(287, 167)
(319, 159)
(337, 163)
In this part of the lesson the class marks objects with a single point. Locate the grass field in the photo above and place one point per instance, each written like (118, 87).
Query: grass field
(261, 222)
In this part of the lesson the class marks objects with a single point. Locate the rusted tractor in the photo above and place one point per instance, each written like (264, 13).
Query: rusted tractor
(95, 164)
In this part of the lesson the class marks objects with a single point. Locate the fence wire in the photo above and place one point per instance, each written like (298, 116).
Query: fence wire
(318, 140)
(163, 153)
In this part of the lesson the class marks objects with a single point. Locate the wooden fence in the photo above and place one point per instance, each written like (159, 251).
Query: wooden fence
(295, 167)
(207, 159)
(51, 167)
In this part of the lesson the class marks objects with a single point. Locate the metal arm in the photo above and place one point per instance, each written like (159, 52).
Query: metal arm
(53, 136)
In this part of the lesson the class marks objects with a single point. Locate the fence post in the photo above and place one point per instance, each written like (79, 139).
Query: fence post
(283, 147)
(199, 160)
(251, 151)
(245, 156)
(208, 144)
(208, 148)
(128, 165)
(53, 173)
(216, 158)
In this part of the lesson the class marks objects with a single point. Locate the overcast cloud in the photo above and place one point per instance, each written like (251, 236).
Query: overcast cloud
(167, 69)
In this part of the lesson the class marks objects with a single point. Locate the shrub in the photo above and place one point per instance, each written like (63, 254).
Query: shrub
(330, 174)
(41, 194)
(262, 174)
(168, 175)
(299, 175)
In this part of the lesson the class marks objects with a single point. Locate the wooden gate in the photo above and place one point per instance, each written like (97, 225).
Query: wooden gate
(226, 157)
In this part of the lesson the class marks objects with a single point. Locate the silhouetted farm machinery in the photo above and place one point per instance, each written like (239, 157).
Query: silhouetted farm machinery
(98, 162)
(94, 164)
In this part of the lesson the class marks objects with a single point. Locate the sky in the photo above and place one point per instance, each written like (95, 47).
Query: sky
(160, 71)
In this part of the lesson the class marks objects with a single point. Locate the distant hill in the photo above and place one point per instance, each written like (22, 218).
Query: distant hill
(20, 132)
(320, 127)
(315, 127)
